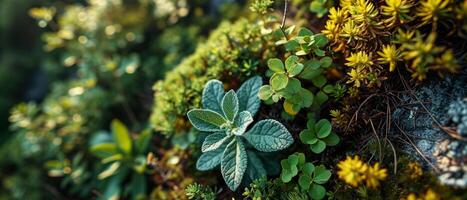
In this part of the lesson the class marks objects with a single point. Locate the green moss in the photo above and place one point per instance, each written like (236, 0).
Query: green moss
(232, 53)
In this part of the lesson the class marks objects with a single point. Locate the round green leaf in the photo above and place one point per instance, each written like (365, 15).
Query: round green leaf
(317, 192)
(308, 137)
(319, 81)
(326, 62)
(279, 81)
(265, 92)
(304, 181)
(332, 139)
(308, 168)
(323, 128)
(276, 65)
(322, 175)
(318, 147)
(328, 89)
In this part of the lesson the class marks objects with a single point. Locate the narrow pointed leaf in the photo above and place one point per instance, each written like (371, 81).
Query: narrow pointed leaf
(121, 136)
(248, 95)
(206, 120)
(234, 163)
(212, 95)
(230, 105)
(269, 135)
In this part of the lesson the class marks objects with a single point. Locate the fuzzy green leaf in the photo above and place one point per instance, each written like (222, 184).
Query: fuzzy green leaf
(213, 141)
(318, 147)
(255, 168)
(206, 120)
(241, 123)
(121, 136)
(234, 163)
(279, 81)
(211, 159)
(248, 95)
(230, 105)
(276, 65)
(212, 96)
(269, 135)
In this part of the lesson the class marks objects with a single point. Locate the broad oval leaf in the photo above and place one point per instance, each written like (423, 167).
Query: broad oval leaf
(304, 181)
(241, 123)
(322, 175)
(269, 135)
(234, 163)
(206, 120)
(210, 159)
(323, 128)
(121, 136)
(265, 92)
(248, 95)
(213, 141)
(255, 168)
(230, 105)
(318, 147)
(332, 139)
(212, 95)
(326, 61)
(279, 81)
(276, 65)
(317, 191)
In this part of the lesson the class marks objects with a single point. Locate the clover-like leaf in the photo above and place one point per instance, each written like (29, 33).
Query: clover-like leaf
(332, 139)
(265, 92)
(214, 141)
(323, 128)
(206, 120)
(234, 163)
(319, 81)
(230, 105)
(276, 65)
(278, 81)
(211, 159)
(255, 168)
(322, 175)
(308, 168)
(317, 191)
(241, 123)
(293, 67)
(307, 136)
(212, 96)
(320, 40)
(269, 135)
(326, 62)
(318, 147)
(304, 181)
(248, 95)
(288, 171)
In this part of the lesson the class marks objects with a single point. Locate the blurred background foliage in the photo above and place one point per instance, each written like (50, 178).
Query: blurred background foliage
(79, 65)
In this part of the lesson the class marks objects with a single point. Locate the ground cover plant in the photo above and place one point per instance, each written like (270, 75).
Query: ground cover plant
(235, 99)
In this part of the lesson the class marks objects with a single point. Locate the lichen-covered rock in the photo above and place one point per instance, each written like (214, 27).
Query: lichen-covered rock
(451, 157)
(458, 113)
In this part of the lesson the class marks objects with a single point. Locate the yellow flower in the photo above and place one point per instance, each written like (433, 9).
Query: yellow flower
(389, 55)
(338, 16)
(374, 175)
(43, 13)
(352, 170)
(350, 31)
(446, 62)
(331, 30)
(359, 60)
(397, 10)
(414, 170)
(363, 11)
(429, 195)
(356, 76)
(432, 10)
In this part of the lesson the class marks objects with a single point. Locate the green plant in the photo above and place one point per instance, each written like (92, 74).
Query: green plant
(311, 177)
(320, 7)
(121, 158)
(319, 135)
(287, 79)
(227, 116)
(199, 192)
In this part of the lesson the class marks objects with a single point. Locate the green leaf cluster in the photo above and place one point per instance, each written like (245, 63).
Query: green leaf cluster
(319, 135)
(227, 116)
(310, 177)
(121, 157)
